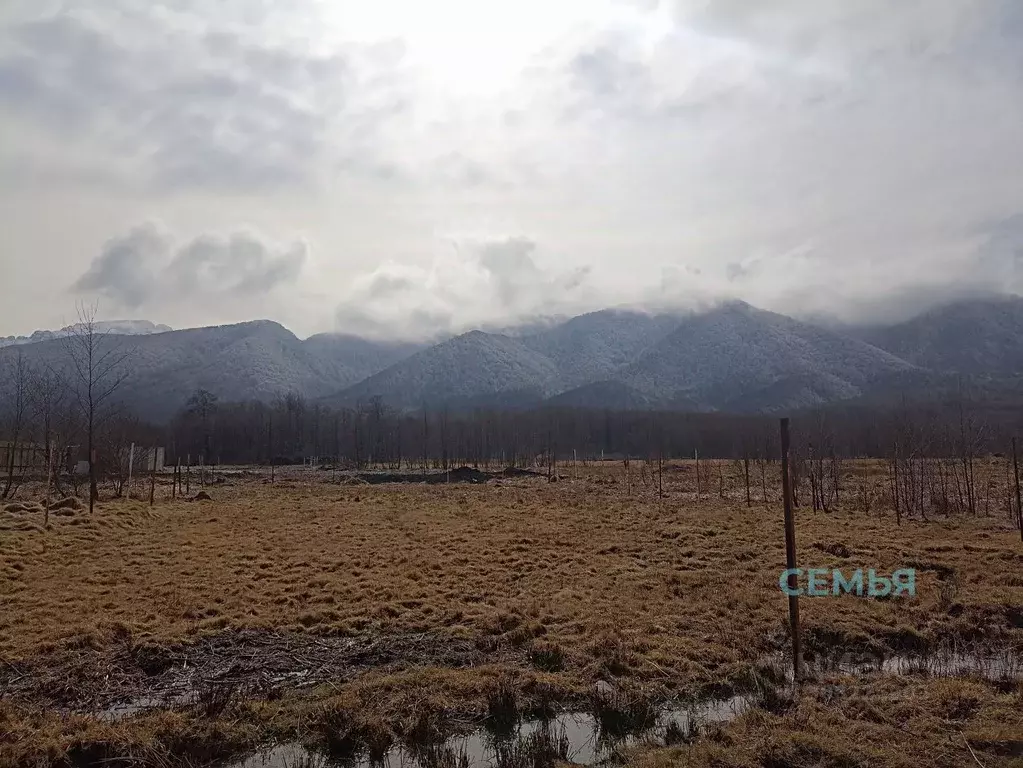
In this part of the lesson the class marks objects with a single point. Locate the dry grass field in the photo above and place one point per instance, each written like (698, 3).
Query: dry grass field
(348, 613)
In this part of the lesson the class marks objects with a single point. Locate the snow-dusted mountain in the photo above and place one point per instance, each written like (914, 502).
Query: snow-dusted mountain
(593, 346)
(476, 366)
(721, 357)
(979, 337)
(116, 327)
(256, 360)
(732, 357)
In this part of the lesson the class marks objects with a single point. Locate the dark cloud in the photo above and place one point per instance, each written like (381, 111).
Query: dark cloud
(608, 77)
(735, 270)
(123, 271)
(883, 38)
(1000, 264)
(732, 56)
(239, 263)
(511, 267)
(144, 266)
(606, 73)
(384, 285)
(211, 109)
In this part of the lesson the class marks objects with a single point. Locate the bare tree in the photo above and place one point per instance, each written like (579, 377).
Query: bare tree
(48, 394)
(15, 387)
(99, 367)
(116, 439)
(203, 403)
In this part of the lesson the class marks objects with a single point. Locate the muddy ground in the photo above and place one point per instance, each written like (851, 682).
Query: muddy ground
(124, 676)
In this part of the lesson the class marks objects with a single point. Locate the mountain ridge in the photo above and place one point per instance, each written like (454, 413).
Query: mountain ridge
(116, 327)
(729, 357)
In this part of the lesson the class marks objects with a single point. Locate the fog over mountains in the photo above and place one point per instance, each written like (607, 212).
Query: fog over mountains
(732, 357)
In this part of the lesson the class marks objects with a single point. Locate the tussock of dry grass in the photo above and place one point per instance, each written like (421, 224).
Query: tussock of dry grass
(890, 723)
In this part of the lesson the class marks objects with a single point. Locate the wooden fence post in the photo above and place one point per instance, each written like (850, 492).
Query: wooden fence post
(1019, 508)
(152, 479)
(131, 462)
(790, 554)
(696, 455)
(49, 482)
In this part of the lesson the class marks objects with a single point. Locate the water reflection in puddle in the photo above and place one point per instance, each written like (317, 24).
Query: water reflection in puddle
(994, 668)
(573, 737)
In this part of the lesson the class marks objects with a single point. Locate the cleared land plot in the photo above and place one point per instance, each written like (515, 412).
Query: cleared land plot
(364, 614)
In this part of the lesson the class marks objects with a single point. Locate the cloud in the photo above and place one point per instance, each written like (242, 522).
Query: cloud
(145, 267)
(804, 155)
(1001, 254)
(191, 105)
(123, 271)
(478, 281)
(806, 280)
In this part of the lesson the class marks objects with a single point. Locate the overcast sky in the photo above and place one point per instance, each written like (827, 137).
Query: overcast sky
(409, 168)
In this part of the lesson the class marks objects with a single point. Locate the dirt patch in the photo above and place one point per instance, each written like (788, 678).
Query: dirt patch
(458, 475)
(80, 677)
(518, 472)
(19, 506)
(70, 503)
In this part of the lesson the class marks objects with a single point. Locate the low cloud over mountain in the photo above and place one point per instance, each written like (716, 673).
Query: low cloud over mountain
(471, 282)
(146, 266)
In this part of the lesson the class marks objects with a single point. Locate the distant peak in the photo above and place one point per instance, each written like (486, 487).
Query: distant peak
(249, 324)
(737, 305)
(113, 327)
(263, 322)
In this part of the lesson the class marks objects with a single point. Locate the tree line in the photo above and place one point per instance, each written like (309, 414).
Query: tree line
(290, 429)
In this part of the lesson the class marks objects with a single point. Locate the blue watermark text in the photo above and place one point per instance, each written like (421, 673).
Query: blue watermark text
(826, 582)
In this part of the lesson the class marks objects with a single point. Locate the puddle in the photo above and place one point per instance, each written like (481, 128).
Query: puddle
(573, 737)
(996, 667)
(1003, 666)
(127, 709)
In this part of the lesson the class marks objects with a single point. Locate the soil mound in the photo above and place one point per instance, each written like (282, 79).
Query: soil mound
(69, 502)
(23, 506)
(457, 475)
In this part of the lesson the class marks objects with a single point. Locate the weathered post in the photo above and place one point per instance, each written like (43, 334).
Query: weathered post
(790, 553)
(270, 446)
(696, 455)
(93, 487)
(660, 472)
(1019, 508)
(745, 467)
(152, 479)
(49, 484)
(188, 474)
(131, 462)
